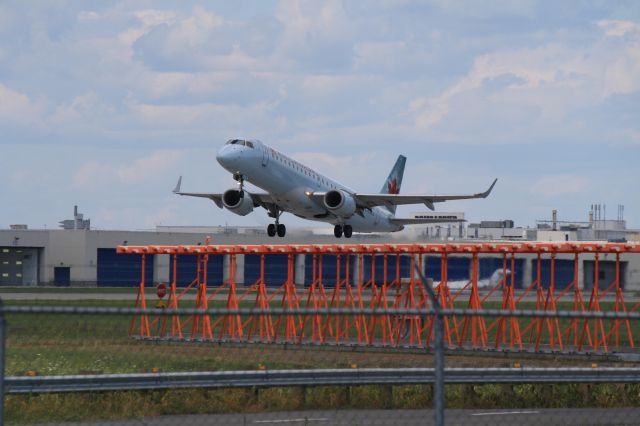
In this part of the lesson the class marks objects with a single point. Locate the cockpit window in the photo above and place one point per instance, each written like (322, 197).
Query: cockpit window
(236, 142)
(250, 144)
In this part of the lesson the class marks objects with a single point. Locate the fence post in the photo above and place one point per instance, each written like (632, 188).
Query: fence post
(438, 373)
(3, 324)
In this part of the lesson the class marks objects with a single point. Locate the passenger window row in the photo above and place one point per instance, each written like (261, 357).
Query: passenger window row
(301, 169)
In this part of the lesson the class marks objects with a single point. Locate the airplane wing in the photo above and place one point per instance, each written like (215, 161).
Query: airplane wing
(259, 199)
(420, 221)
(372, 200)
(368, 201)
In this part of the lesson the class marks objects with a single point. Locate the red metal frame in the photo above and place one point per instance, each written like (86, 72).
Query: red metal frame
(402, 292)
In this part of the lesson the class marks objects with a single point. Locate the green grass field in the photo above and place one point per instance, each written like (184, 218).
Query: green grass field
(73, 344)
(62, 290)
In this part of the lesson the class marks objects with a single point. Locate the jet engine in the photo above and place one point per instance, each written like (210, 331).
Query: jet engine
(340, 203)
(239, 202)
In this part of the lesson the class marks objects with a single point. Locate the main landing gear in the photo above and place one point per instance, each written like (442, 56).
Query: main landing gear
(339, 230)
(276, 228)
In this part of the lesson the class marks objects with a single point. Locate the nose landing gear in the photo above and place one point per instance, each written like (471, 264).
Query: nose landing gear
(240, 179)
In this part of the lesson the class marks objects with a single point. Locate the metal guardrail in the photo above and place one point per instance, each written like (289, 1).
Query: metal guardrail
(97, 310)
(363, 376)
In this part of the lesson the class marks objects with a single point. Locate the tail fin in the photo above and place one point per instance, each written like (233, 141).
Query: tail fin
(394, 180)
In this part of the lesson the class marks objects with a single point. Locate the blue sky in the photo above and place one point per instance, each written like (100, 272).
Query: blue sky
(105, 104)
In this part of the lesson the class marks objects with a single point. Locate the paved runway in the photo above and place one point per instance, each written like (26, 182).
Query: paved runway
(520, 417)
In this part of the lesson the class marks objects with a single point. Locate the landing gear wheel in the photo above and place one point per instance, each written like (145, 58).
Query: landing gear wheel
(348, 230)
(337, 231)
(271, 230)
(282, 230)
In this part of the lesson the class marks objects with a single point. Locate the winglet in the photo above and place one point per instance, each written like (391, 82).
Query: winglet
(176, 190)
(486, 193)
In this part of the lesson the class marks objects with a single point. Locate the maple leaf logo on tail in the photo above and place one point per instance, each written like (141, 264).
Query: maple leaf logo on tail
(392, 186)
(393, 182)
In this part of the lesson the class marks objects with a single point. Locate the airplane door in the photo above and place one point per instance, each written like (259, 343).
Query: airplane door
(265, 156)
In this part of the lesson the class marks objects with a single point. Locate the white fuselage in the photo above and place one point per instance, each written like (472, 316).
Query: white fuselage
(287, 181)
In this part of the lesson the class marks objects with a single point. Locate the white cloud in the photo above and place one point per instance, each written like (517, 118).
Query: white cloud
(18, 108)
(559, 185)
(93, 174)
(487, 9)
(82, 109)
(162, 84)
(138, 218)
(196, 41)
(534, 69)
(165, 215)
(331, 85)
(88, 15)
(194, 31)
(151, 17)
(150, 167)
(554, 79)
(619, 28)
(316, 34)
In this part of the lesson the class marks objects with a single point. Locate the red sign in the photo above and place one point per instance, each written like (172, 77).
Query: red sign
(161, 290)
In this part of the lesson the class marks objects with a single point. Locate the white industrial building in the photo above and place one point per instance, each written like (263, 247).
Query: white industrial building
(79, 256)
(88, 258)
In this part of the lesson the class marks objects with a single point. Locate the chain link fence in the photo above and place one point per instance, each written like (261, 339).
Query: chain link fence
(77, 364)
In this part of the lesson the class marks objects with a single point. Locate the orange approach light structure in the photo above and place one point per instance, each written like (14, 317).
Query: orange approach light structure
(351, 291)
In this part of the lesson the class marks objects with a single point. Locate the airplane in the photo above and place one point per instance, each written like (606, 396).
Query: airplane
(295, 188)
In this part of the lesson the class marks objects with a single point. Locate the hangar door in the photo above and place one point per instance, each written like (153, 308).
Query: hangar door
(122, 270)
(10, 267)
(187, 269)
(19, 265)
(563, 271)
(275, 269)
(329, 268)
(458, 268)
(606, 273)
(490, 270)
(378, 267)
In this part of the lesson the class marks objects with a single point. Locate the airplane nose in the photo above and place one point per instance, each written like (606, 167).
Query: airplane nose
(228, 157)
(222, 155)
